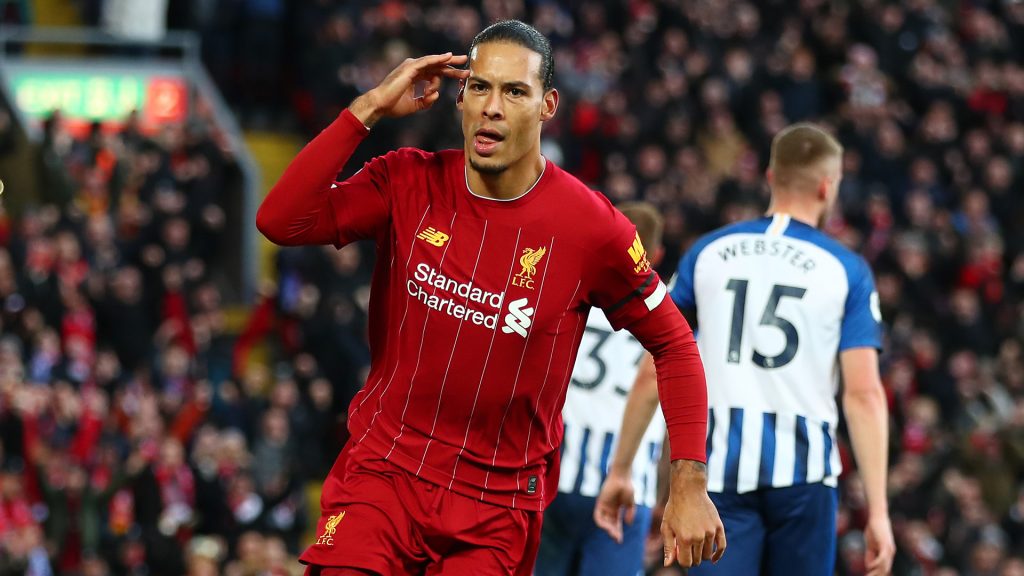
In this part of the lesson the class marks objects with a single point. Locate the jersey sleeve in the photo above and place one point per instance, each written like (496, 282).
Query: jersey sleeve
(680, 288)
(623, 283)
(862, 316)
(307, 206)
(682, 388)
(361, 204)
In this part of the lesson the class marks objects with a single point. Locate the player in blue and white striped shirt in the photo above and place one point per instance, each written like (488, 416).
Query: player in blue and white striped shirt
(782, 310)
(604, 373)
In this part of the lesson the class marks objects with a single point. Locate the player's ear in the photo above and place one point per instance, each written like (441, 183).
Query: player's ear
(659, 253)
(550, 106)
(462, 93)
(823, 187)
(769, 176)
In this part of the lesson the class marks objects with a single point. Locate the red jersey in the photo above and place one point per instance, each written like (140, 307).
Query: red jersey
(477, 309)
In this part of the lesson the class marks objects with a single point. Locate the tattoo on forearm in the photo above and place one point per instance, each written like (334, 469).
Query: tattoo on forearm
(689, 466)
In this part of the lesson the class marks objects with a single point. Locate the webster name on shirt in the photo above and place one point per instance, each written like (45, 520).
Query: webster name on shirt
(458, 296)
(780, 249)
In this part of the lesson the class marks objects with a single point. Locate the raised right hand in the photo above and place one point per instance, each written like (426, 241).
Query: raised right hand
(396, 96)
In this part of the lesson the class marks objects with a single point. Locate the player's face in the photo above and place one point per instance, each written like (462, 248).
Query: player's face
(503, 105)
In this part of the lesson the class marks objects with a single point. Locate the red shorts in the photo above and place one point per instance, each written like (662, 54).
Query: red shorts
(379, 518)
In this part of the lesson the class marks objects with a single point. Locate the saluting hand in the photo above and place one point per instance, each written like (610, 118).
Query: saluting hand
(396, 95)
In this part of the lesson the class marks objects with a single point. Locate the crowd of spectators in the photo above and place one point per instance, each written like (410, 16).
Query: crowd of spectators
(139, 435)
(135, 436)
(677, 102)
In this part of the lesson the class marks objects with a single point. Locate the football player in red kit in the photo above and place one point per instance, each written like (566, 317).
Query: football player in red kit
(488, 261)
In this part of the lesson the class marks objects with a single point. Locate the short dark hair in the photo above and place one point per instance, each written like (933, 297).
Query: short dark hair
(521, 33)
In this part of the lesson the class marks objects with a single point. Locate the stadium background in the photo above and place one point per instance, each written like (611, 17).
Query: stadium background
(172, 389)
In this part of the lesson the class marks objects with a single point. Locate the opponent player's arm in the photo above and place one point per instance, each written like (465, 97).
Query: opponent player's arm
(617, 494)
(641, 404)
(305, 206)
(867, 415)
(664, 469)
(864, 404)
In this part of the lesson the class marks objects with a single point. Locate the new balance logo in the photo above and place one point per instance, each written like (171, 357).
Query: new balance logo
(431, 235)
(518, 318)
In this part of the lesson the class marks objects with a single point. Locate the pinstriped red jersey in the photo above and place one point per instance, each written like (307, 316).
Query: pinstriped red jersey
(477, 310)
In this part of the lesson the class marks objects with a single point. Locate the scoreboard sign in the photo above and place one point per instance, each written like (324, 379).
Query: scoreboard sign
(100, 97)
(84, 96)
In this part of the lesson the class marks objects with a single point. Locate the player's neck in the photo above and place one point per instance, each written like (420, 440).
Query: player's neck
(809, 215)
(509, 184)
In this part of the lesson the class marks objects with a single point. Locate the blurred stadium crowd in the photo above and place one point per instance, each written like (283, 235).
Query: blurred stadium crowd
(141, 436)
